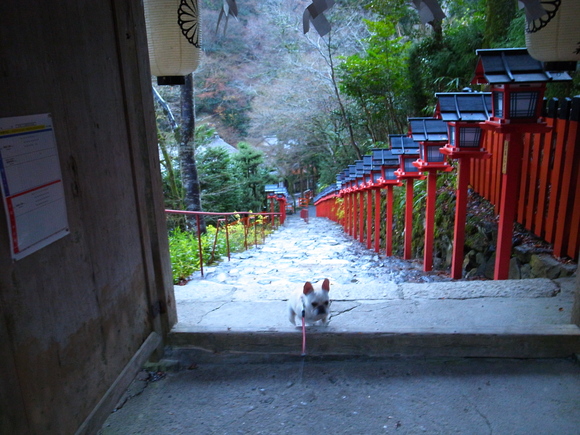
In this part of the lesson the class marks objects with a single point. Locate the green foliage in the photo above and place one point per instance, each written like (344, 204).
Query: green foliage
(219, 188)
(377, 81)
(444, 63)
(184, 246)
(252, 176)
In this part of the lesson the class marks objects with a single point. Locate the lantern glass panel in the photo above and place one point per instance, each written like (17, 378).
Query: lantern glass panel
(433, 154)
(376, 176)
(498, 104)
(408, 165)
(390, 174)
(523, 104)
(451, 135)
(469, 137)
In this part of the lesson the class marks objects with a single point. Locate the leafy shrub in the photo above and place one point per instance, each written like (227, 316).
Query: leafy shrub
(184, 246)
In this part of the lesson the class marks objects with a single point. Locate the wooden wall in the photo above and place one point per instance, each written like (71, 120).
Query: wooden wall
(73, 314)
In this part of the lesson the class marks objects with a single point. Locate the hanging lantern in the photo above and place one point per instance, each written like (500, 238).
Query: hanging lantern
(552, 31)
(173, 39)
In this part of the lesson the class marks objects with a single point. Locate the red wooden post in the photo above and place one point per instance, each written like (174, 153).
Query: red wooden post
(556, 175)
(575, 226)
(524, 188)
(566, 206)
(354, 216)
(534, 183)
(513, 151)
(460, 213)
(347, 213)
(389, 222)
(408, 219)
(377, 219)
(361, 217)
(508, 202)
(369, 217)
(539, 226)
(430, 220)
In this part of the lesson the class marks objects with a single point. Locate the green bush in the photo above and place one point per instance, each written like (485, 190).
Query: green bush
(184, 246)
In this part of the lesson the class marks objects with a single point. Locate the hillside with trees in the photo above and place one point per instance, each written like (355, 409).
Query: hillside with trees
(305, 106)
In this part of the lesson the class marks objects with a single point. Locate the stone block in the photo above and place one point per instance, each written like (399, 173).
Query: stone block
(545, 266)
(514, 272)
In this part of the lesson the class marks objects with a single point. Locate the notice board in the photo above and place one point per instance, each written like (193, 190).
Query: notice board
(31, 180)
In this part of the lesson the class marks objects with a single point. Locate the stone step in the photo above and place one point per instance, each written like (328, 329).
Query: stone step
(529, 341)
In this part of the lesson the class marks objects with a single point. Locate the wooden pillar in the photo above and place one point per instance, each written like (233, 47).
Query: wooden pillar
(354, 209)
(377, 220)
(389, 222)
(369, 216)
(361, 217)
(460, 212)
(430, 220)
(511, 172)
(408, 219)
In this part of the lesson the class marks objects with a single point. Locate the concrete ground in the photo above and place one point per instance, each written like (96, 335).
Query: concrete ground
(368, 291)
(396, 396)
(381, 306)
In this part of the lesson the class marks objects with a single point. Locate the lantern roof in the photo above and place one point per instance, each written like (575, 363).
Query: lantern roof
(384, 157)
(463, 106)
(427, 130)
(351, 172)
(367, 163)
(333, 188)
(360, 168)
(403, 144)
(512, 65)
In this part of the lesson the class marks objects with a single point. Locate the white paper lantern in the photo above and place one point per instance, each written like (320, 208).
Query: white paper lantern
(173, 38)
(555, 36)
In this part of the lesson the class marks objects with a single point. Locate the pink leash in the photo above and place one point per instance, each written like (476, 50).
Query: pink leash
(303, 334)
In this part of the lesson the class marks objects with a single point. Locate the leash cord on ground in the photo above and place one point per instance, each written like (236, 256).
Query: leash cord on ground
(303, 333)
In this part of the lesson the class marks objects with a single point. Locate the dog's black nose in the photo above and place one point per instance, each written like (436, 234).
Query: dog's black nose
(321, 310)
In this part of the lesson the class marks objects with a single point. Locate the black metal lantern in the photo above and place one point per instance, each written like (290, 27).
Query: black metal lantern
(517, 83)
(465, 135)
(408, 151)
(387, 163)
(463, 112)
(389, 173)
(359, 174)
(431, 134)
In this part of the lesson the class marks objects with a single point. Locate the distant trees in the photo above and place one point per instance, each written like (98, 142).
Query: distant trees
(327, 100)
(252, 177)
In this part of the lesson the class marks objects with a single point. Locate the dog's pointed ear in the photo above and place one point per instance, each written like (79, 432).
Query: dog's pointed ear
(308, 288)
(326, 285)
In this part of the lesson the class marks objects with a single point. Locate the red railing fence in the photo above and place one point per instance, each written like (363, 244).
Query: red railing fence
(224, 220)
(549, 197)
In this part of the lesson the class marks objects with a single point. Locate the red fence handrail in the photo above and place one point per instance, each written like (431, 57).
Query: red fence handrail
(242, 214)
(550, 184)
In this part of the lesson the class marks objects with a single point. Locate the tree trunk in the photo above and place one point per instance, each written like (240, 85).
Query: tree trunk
(499, 15)
(189, 176)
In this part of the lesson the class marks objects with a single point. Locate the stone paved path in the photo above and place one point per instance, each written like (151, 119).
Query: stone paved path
(300, 251)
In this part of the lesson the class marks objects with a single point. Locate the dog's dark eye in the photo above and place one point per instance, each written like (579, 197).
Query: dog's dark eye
(326, 303)
(314, 304)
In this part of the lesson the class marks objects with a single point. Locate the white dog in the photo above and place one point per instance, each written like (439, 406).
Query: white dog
(313, 305)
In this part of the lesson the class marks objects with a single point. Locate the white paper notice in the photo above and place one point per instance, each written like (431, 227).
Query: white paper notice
(31, 182)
